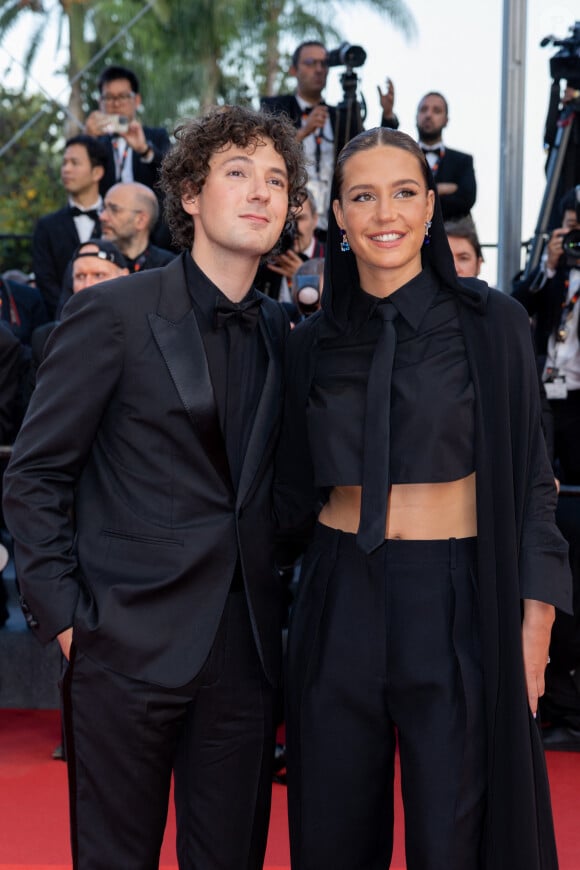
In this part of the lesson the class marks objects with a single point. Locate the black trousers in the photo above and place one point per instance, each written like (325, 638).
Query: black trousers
(385, 648)
(124, 739)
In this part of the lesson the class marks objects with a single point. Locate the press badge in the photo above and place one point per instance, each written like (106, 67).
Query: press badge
(555, 385)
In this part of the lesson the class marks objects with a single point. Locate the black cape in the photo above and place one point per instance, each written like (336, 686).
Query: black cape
(521, 553)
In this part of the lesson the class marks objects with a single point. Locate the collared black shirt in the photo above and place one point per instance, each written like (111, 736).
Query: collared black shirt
(432, 395)
(216, 342)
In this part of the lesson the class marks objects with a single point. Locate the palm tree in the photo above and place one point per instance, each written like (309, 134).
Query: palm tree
(188, 53)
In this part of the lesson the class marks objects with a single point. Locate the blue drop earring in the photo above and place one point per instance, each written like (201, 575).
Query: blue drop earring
(427, 239)
(344, 245)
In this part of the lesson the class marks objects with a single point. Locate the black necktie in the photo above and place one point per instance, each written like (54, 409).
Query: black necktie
(376, 450)
(92, 213)
(245, 313)
(238, 318)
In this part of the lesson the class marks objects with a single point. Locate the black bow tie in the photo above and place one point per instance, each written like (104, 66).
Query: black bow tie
(92, 213)
(245, 313)
(436, 151)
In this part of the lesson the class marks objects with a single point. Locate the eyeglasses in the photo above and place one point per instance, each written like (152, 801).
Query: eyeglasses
(109, 99)
(116, 209)
(314, 61)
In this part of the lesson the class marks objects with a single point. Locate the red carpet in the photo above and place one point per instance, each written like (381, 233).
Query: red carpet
(33, 803)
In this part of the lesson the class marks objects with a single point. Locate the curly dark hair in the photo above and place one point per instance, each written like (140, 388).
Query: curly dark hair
(186, 166)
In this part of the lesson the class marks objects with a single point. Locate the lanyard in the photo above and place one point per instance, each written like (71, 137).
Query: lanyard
(567, 311)
(120, 158)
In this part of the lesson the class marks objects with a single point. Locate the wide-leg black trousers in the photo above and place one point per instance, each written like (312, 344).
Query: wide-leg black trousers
(384, 649)
(124, 738)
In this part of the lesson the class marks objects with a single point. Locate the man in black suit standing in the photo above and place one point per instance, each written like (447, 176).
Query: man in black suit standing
(453, 170)
(58, 235)
(317, 122)
(139, 499)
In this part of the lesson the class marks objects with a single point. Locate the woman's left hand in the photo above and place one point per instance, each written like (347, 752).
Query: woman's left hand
(536, 630)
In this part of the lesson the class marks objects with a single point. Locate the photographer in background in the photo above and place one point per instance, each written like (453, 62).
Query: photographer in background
(316, 121)
(134, 152)
(551, 296)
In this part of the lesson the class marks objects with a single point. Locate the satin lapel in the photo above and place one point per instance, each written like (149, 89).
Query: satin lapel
(181, 346)
(265, 419)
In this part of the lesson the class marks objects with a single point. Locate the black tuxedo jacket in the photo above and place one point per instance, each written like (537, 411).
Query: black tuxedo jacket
(122, 433)
(457, 167)
(145, 173)
(10, 365)
(53, 244)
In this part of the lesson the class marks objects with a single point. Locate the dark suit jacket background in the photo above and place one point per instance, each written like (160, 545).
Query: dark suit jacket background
(456, 166)
(54, 241)
(145, 173)
(29, 309)
(144, 571)
(10, 366)
(288, 104)
(545, 304)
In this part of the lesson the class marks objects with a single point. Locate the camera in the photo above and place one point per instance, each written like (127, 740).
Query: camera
(571, 244)
(566, 63)
(114, 124)
(347, 55)
(287, 238)
(306, 286)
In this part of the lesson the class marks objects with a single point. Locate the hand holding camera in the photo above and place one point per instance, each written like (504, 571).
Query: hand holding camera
(104, 124)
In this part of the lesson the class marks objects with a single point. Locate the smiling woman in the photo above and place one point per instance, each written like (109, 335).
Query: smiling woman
(389, 426)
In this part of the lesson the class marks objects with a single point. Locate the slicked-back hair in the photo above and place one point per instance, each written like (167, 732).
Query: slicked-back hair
(307, 44)
(94, 148)
(464, 228)
(114, 73)
(186, 166)
(371, 139)
(435, 94)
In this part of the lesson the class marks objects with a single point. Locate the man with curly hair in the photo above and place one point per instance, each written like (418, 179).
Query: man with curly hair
(138, 496)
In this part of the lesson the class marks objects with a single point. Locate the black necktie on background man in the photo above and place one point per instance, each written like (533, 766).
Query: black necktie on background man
(240, 319)
(377, 435)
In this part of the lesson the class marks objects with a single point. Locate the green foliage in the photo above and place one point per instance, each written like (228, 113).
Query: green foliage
(187, 54)
(30, 180)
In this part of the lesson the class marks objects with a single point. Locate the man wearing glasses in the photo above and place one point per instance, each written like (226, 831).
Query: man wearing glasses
(316, 122)
(134, 151)
(128, 215)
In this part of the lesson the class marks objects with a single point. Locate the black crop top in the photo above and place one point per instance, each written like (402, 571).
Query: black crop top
(432, 395)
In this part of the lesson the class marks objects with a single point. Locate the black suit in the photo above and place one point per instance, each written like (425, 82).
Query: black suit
(457, 167)
(53, 244)
(144, 571)
(145, 173)
(288, 104)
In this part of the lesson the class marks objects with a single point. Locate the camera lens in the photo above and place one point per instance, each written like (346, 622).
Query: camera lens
(571, 244)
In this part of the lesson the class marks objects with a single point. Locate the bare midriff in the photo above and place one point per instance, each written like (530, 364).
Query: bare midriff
(415, 512)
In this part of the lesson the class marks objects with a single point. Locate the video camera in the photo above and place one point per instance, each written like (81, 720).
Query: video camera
(347, 55)
(566, 63)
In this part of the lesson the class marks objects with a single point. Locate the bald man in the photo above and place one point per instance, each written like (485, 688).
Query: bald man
(129, 213)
